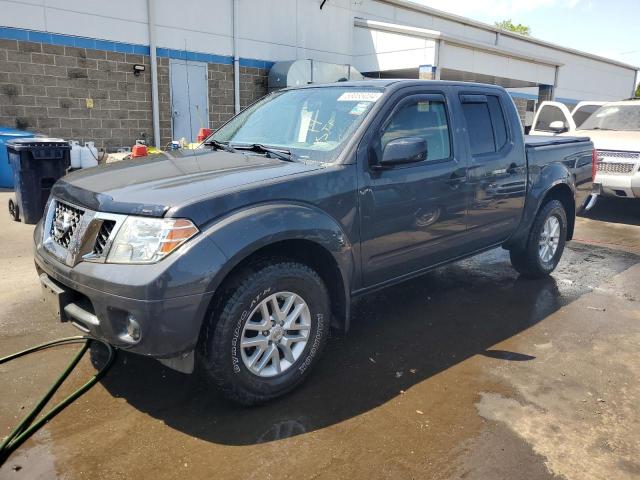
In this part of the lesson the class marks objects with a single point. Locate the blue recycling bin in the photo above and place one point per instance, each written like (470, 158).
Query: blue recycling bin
(37, 164)
(7, 134)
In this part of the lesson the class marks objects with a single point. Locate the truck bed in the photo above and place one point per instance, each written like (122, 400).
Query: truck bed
(545, 140)
(574, 153)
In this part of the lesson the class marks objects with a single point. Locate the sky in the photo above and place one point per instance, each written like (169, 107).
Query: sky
(606, 28)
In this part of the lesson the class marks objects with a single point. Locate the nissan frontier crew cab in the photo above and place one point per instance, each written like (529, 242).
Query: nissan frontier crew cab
(238, 258)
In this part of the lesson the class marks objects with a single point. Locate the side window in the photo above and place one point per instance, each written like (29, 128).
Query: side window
(420, 118)
(584, 112)
(486, 123)
(548, 114)
(498, 121)
(479, 127)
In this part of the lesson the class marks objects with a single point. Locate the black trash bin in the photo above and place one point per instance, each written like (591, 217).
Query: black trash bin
(36, 163)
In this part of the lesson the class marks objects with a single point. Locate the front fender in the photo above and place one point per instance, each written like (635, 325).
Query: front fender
(244, 232)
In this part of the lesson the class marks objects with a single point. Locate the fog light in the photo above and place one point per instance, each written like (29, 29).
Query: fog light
(133, 329)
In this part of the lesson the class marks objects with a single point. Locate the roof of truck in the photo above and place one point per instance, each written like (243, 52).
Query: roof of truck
(387, 82)
(628, 101)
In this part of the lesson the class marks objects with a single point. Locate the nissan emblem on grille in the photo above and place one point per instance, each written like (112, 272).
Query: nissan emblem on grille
(65, 223)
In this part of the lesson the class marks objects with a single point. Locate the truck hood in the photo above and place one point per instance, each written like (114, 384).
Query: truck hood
(609, 139)
(153, 185)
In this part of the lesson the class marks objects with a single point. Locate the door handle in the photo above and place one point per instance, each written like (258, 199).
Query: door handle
(456, 179)
(513, 169)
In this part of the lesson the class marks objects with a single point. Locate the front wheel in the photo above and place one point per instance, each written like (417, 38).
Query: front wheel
(545, 243)
(267, 333)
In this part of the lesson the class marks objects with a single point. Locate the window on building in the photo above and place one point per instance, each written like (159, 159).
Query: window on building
(421, 118)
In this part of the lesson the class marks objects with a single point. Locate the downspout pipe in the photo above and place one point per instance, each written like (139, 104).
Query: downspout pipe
(155, 109)
(236, 57)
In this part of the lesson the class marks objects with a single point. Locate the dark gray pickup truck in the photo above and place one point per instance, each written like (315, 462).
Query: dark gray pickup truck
(239, 258)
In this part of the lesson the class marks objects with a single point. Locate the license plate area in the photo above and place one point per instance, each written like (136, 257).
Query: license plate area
(55, 297)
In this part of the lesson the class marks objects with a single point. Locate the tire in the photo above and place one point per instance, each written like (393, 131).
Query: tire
(529, 262)
(14, 210)
(221, 354)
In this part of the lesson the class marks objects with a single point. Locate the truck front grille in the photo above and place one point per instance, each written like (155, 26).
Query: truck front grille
(619, 155)
(612, 167)
(74, 234)
(65, 223)
(103, 236)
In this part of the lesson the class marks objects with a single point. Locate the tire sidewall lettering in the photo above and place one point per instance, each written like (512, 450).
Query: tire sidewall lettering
(315, 345)
(235, 351)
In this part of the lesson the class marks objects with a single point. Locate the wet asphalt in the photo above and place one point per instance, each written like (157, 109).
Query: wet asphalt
(467, 372)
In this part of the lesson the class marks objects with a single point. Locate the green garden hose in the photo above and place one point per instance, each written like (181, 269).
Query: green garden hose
(27, 427)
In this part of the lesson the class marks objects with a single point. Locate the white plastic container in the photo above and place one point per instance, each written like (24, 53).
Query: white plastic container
(88, 155)
(75, 153)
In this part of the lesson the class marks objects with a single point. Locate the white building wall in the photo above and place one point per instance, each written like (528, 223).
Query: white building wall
(276, 30)
(375, 50)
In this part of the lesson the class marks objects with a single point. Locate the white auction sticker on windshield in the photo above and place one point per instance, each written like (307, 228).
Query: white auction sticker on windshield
(360, 108)
(359, 96)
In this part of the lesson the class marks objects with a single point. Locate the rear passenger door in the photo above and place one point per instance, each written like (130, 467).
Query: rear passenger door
(497, 172)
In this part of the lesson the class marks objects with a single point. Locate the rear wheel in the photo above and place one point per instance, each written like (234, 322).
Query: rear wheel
(14, 210)
(545, 244)
(267, 333)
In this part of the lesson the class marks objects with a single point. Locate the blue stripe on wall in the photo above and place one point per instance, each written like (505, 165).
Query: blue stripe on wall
(10, 33)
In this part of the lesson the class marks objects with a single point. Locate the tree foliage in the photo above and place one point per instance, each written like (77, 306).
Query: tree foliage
(638, 90)
(509, 26)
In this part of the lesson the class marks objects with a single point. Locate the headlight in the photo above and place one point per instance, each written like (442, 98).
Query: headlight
(147, 240)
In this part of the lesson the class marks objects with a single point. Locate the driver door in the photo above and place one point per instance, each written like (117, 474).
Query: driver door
(408, 212)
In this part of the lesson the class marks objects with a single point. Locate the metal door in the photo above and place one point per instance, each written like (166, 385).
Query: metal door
(413, 215)
(189, 98)
(497, 172)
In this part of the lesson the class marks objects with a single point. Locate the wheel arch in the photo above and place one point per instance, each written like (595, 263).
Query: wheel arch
(560, 190)
(284, 231)
(565, 195)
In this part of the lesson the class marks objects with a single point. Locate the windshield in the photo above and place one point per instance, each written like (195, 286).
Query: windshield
(311, 123)
(614, 117)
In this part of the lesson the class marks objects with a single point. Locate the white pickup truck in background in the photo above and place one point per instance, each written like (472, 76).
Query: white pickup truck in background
(614, 129)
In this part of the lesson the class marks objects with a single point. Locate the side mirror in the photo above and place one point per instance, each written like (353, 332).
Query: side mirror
(403, 150)
(558, 126)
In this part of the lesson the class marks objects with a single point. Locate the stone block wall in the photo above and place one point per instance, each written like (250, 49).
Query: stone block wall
(521, 106)
(49, 89)
(253, 85)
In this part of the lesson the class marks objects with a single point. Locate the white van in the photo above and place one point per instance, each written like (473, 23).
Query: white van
(613, 127)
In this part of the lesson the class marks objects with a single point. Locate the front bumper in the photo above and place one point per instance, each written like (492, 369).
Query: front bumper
(169, 300)
(619, 185)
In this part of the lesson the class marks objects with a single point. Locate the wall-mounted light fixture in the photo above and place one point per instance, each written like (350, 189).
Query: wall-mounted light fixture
(137, 69)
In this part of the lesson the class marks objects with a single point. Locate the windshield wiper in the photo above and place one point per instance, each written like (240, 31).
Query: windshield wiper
(602, 128)
(220, 146)
(282, 154)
